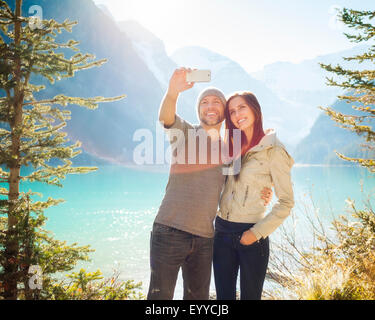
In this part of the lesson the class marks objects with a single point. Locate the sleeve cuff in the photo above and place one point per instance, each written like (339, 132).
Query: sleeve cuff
(171, 126)
(256, 233)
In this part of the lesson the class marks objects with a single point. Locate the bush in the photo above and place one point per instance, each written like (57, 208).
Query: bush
(338, 267)
(90, 286)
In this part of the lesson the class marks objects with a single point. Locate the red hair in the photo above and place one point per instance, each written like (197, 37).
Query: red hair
(258, 132)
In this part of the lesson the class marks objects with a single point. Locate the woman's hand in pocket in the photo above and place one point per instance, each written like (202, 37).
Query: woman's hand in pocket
(248, 238)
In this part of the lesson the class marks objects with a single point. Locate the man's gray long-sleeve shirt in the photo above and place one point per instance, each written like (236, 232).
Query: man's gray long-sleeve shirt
(193, 191)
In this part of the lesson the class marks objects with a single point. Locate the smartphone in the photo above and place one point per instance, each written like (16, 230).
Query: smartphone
(198, 76)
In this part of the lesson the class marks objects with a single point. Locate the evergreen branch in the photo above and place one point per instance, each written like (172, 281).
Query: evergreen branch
(352, 83)
(40, 206)
(353, 74)
(45, 175)
(4, 191)
(6, 22)
(97, 63)
(367, 163)
(47, 149)
(63, 100)
(365, 100)
(40, 113)
(365, 56)
(339, 117)
(4, 177)
(355, 19)
(5, 6)
(4, 132)
(365, 109)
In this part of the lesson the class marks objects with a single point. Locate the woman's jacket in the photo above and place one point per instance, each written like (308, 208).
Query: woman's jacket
(265, 165)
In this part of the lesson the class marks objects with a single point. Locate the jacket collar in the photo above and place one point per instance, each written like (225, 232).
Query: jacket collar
(268, 141)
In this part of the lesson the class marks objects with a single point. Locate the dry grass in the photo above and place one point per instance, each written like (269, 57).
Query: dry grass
(329, 261)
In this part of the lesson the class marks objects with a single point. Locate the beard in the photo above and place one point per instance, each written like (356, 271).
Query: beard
(211, 122)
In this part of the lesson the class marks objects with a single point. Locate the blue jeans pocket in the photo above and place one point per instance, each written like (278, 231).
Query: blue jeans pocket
(255, 246)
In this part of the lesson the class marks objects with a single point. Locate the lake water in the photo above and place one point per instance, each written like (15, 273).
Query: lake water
(113, 209)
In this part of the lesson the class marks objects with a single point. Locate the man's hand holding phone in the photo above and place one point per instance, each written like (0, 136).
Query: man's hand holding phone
(178, 83)
(184, 78)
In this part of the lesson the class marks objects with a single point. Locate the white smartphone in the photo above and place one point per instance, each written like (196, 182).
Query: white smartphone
(198, 76)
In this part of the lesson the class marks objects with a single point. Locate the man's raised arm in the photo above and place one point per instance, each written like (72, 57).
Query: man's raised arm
(177, 84)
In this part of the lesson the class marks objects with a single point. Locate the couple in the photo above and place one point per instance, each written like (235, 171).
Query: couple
(183, 234)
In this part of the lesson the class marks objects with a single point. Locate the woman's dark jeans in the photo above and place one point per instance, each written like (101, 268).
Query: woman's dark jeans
(172, 249)
(229, 257)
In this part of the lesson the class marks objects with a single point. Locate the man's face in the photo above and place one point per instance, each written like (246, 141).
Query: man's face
(211, 110)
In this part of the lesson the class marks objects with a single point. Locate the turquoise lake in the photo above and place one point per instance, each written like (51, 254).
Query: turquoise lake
(113, 209)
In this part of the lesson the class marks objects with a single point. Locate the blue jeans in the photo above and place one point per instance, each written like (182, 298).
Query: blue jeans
(229, 257)
(172, 249)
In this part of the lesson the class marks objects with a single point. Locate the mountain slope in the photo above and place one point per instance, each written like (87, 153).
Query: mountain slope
(304, 84)
(326, 137)
(152, 51)
(108, 131)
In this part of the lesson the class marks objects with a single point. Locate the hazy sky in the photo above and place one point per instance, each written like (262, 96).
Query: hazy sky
(251, 32)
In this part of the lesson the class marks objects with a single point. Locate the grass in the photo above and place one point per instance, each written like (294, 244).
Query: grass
(334, 261)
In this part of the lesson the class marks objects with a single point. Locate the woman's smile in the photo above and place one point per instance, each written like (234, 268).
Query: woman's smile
(240, 121)
(240, 113)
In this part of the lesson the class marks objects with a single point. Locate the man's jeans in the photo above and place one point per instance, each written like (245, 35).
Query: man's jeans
(229, 256)
(172, 249)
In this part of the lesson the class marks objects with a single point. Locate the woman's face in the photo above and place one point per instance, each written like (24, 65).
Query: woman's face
(240, 113)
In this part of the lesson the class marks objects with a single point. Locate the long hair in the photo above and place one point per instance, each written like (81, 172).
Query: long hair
(258, 132)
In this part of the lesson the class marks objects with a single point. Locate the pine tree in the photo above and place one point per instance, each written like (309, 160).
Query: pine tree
(359, 85)
(31, 136)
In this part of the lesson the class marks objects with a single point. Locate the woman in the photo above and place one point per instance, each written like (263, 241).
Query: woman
(242, 228)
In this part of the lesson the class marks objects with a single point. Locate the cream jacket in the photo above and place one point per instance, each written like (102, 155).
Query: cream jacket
(265, 165)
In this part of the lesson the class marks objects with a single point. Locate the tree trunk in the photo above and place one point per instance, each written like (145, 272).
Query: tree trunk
(11, 267)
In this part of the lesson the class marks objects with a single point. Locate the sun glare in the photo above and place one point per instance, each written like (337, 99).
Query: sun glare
(144, 11)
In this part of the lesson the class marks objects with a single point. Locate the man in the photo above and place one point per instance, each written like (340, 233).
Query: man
(182, 235)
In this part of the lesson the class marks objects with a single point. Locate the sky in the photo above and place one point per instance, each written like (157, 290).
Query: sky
(253, 33)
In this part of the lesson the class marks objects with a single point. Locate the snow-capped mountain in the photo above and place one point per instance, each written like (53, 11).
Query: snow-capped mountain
(288, 93)
(150, 49)
(289, 121)
(304, 84)
(227, 75)
(139, 66)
